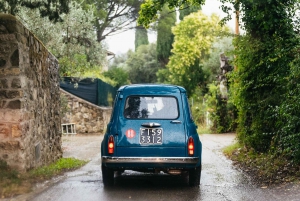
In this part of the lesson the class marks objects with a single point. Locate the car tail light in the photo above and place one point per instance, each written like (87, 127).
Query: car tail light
(111, 144)
(191, 146)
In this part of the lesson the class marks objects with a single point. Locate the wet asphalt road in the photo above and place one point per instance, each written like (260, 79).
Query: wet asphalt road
(220, 181)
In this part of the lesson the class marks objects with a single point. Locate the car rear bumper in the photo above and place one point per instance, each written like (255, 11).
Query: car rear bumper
(152, 160)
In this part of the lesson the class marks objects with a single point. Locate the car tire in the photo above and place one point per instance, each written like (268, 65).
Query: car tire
(194, 176)
(107, 176)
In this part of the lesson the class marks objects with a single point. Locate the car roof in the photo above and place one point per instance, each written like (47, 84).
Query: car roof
(151, 89)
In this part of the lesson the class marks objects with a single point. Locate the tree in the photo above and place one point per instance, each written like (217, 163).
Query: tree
(263, 84)
(149, 9)
(119, 75)
(112, 16)
(119, 61)
(212, 64)
(52, 9)
(72, 41)
(188, 9)
(194, 37)
(165, 36)
(141, 37)
(264, 57)
(142, 65)
(265, 60)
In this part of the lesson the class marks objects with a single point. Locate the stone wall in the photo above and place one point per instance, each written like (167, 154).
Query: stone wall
(30, 133)
(87, 117)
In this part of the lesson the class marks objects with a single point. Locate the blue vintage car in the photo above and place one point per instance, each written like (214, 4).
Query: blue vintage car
(151, 130)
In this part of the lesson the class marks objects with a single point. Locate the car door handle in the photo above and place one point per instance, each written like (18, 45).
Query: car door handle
(151, 124)
(175, 122)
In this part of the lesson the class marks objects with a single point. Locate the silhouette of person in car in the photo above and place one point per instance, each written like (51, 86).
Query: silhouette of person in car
(132, 111)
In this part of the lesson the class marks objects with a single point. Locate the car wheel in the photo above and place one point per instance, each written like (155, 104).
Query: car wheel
(107, 176)
(194, 176)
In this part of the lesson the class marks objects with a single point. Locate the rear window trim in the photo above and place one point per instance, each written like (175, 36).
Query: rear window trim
(141, 95)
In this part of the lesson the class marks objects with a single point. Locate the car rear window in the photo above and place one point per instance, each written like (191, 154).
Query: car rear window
(151, 107)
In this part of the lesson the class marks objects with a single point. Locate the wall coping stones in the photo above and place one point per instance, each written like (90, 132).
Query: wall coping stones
(84, 101)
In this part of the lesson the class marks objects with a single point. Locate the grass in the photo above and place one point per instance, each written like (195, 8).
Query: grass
(229, 150)
(264, 168)
(13, 183)
(203, 129)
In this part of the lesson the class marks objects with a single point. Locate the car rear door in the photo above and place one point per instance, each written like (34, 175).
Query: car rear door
(153, 126)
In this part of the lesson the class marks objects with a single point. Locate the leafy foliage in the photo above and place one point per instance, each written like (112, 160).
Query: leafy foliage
(265, 57)
(222, 113)
(150, 8)
(142, 65)
(119, 75)
(264, 86)
(74, 65)
(72, 41)
(199, 111)
(188, 9)
(112, 16)
(141, 37)
(286, 140)
(194, 37)
(119, 60)
(52, 9)
(212, 64)
(165, 36)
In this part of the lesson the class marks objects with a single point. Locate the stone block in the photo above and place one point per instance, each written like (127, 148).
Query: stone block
(3, 29)
(85, 116)
(9, 145)
(5, 156)
(3, 84)
(13, 94)
(21, 39)
(4, 130)
(11, 116)
(2, 62)
(7, 37)
(9, 71)
(14, 115)
(16, 104)
(94, 115)
(2, 104)
(14, 59)
(5, 50)
(15, 131)
(3, 94)
(16, 83)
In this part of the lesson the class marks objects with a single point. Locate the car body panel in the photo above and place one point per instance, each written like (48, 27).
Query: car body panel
(172, 153)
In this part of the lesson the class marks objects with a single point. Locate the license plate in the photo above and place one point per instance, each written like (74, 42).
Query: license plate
(151, 135)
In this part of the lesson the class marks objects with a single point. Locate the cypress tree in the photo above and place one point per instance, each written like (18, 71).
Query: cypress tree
(141, 37)
(165, 36)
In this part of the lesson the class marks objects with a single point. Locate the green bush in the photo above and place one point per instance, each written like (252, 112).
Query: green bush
(263, 87)
(222, 112)
(286, 140)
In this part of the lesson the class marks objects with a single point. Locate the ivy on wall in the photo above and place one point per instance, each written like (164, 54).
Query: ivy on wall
(266, 60)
